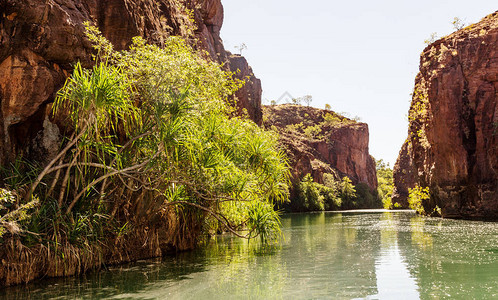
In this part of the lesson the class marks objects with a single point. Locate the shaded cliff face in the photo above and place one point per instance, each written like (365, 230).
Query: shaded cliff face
(404, 175)
(453, 141)
(339, 146)
(249, 96)
(40, 40)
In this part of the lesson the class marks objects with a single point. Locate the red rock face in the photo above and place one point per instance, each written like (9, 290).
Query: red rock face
(249, 96)
(40, 40)
(340, 149)
(453, 123)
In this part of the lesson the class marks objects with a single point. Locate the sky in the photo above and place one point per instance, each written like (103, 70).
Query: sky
(360, 57)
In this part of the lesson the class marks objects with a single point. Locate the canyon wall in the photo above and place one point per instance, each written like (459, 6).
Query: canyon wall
(452, 144)
(338, 147)
(41, 40)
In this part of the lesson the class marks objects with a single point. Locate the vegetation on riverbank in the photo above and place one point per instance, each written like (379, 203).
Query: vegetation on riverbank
(335, 194)
(419, 199)
(385, 184)
(331, 195)
(150, 153)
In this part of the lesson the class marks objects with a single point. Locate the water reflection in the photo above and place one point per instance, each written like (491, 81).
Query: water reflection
(394, 280)
(349, 255)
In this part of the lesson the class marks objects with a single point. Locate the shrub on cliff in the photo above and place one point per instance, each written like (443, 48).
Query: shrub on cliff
(416, 198)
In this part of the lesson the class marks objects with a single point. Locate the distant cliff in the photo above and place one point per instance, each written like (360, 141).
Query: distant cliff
(452, 144)
(41, 40)
(319, 141)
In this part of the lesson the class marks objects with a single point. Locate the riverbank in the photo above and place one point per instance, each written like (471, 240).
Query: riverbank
(22, 264)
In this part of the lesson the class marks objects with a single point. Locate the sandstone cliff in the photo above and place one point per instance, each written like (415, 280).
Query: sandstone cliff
(317, 144)
(40, 40)
(404, 175)
(452, 144)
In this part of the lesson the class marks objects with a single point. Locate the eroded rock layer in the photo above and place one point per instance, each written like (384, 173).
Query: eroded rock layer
(452, 146)
(40, 41)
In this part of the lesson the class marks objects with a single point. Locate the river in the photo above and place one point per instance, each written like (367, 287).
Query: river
(329, 255)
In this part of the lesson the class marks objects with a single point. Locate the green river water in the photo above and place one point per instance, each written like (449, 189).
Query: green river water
(330, 255)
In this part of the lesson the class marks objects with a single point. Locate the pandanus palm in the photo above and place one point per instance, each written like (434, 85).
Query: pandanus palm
(151, 127)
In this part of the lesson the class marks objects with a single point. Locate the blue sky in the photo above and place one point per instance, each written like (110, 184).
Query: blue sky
(361, 57)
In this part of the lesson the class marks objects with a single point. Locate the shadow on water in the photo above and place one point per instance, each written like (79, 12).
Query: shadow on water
(328, 255)
(125, 279)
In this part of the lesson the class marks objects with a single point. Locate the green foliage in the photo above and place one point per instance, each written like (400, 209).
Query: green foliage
(365, 198)
(333, 119)
(419, 109)
(387, 203)
(385, 183)
(7, 199)
(313, 131)
(313, 196)
(416, 198)
(104, 49)
(331, 195)
(152, 138)
(330, 192)
(334, 194)
(330, 181)
(419, 114)
(316, 131)
(310, 132)
(99, 100)
(348, 193)
(436, 212)
(298, 127)
(15, 212)
(264, 221)
(309, 198)
(18, 174)
(14, 216)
